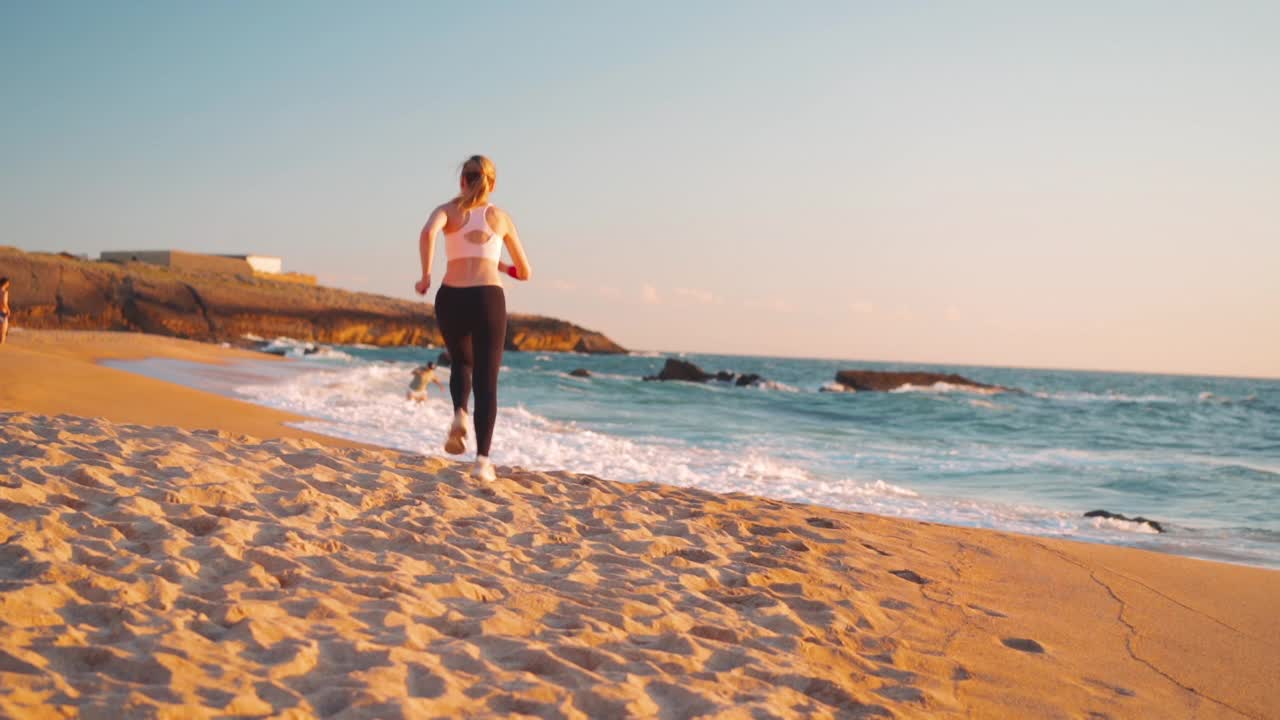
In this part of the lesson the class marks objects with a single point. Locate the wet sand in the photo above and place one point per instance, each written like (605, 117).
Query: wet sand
(59, 371)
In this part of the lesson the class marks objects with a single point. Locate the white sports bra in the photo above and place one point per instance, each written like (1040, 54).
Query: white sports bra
(465, 241)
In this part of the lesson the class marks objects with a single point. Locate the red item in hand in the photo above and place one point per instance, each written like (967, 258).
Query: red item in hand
(511, 270)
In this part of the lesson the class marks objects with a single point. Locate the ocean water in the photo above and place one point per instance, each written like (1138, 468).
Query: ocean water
(1201, 455)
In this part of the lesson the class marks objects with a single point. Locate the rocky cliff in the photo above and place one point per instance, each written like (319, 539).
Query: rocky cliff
(56, 291)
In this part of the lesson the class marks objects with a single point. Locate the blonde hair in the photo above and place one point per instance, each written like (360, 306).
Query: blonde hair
(478, 178)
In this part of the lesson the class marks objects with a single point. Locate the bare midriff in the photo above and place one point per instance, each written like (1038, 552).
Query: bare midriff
(472, 272)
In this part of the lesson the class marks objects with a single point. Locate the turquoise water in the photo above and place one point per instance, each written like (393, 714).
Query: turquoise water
(1199, 454)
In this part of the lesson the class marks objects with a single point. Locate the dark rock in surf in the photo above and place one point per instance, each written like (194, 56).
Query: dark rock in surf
(680, 370)
(881, 381)
(1117, 516)
(580, 372)
(688, 372)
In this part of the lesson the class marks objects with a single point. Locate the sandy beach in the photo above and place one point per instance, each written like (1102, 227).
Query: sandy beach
(57, 372)
(166, 552)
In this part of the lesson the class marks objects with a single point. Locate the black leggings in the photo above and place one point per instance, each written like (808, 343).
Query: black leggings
(473, 321)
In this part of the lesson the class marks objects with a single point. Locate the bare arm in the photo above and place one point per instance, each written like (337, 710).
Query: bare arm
(523, 270)
(427, 246)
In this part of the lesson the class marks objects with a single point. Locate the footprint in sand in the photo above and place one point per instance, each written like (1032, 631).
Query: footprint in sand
(876, 550)
(988, 611)
(910, 576)
(822, 523)
(1026, 645)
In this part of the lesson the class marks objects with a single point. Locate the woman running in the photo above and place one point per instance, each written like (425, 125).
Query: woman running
(470, 305)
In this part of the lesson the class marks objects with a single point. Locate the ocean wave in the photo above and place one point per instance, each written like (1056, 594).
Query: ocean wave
(775, 386)
(1213, 399)
(596, 375)
(300, 349)
(366, 403)
(1089, 397)
(1123, 525)
(945, 387)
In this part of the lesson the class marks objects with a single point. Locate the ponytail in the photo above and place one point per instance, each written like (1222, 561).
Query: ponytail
(478, 178)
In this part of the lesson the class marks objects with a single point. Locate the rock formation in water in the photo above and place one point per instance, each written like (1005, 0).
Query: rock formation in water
(1117, 516)
(684, 371)
(681, 370)
(57, 291)
(881, 381)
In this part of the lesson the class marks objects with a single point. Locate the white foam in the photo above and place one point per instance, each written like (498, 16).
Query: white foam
(1208, 397)
(596, 376)
(617, 376)
(1104, 397)
(367, 403)
(775, 386)
(1123, 525)
(944, 387)
(299, 349)
(327, 353)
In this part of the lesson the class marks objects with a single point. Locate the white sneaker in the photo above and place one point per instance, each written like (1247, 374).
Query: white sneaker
(456, 442)
(483, 470)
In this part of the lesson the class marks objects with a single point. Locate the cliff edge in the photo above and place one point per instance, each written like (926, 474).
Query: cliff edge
(59, 291)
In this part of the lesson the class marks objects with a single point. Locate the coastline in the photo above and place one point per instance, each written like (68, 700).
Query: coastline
(54, 372)
(550, 593)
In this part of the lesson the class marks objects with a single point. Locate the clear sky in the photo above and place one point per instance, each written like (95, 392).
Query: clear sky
(1083, 185)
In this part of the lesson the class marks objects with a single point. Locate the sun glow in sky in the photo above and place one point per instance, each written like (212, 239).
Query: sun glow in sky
(1093, 185)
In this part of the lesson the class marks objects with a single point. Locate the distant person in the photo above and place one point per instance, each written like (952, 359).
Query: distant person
(4, 309)
(471, 307)
(422, 376)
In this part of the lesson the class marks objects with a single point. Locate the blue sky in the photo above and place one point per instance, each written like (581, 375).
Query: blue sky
(1091, 186)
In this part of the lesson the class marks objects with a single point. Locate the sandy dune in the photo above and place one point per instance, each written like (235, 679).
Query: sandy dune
(158, 572)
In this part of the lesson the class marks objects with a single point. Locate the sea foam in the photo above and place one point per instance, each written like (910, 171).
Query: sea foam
(367, 403)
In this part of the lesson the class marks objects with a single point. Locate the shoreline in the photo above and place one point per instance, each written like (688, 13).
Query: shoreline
(327, 577)
(356, 405)
(160, 362)
(63, 372)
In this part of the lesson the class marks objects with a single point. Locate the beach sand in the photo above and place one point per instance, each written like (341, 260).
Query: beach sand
(150, 571)
(57, 372)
